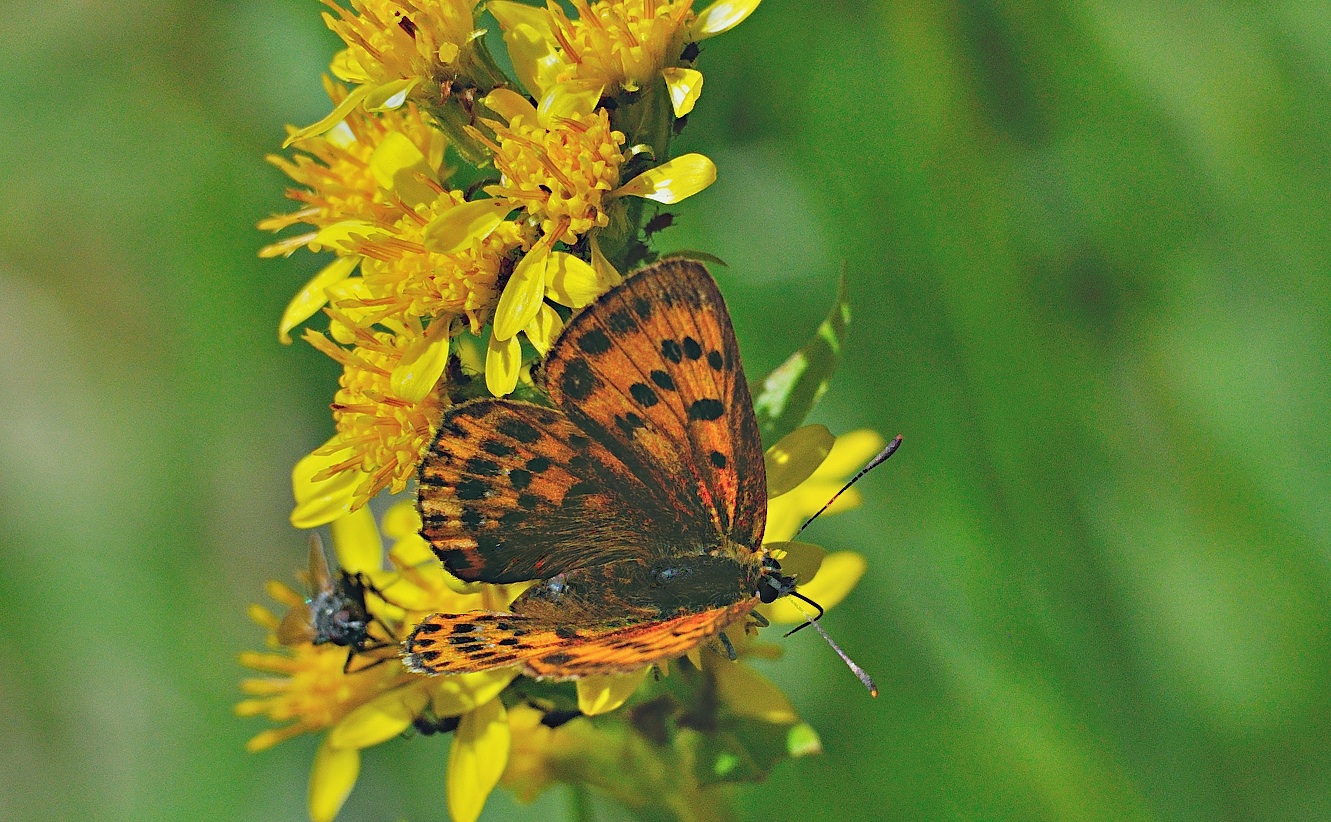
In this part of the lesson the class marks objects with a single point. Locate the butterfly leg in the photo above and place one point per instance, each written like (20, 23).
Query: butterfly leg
(730, 648)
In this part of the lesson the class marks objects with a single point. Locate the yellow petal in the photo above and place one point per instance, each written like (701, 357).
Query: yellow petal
(459, 226)
(671, 182)
(605, 271)
(422, 364)
(801, 559)
(851, 452)
(390, 95)
(347, 236)
(839, 574)
(478, 758)
(543, 330)
(399, 166)
(570, 281)
(356, 541)
(721, 16)
(503, 363)
(380, 719)
(331, 780)
(566, 100)
(457, 694)
(337, 115)
(322, 501)
(346, 67)
(685, 84)
(508, 104)
(531, 46)
(795, 457)
(314, 295)
(401, 520)
(600, 694)
(523, 295)
(749, 693)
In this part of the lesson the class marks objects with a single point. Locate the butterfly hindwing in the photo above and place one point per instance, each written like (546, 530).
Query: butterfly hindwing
(652, 369)
(481, 640)
(511, 491)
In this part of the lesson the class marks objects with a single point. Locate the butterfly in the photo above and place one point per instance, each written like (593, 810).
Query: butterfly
(636, 500)
(336, 612)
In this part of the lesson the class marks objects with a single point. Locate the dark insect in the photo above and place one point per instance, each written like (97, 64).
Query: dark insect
(336, 612)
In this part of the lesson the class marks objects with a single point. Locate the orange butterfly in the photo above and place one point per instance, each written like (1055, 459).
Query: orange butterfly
(638, 501)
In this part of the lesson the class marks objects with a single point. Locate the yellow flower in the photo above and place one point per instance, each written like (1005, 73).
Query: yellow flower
(369, 170)
(560, 162)
(613, 45)
(311, 693)
(398, 49)
(405, 274)
(382, 429)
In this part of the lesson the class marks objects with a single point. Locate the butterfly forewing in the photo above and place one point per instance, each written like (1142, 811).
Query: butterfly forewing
(653, 371)
(512, 491)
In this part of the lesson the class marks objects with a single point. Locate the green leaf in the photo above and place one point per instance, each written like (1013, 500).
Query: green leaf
(791, 391)
(739, 750)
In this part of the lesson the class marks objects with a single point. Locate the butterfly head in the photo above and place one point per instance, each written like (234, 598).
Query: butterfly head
(773, 584)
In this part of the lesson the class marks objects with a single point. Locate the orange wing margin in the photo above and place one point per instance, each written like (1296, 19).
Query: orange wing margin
(483, 640)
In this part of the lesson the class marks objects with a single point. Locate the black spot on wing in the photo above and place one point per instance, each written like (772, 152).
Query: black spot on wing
(482, 466)
(578, 382)
(471, 489)
(662, 380)
(643, 395)
(621, 322)
(706, 409)
(520, 430)
(594, 342)
(671, 351)
(692, 348)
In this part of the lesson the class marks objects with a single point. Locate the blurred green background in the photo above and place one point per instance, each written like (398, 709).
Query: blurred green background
(1088, 248)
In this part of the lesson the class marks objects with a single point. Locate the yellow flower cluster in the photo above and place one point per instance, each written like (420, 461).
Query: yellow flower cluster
(417, 261)
(314, 688)
(465, 216)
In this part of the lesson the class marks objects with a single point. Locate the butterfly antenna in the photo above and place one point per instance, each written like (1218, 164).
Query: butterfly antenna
(855, 669)
(873, 463)
(800, 596)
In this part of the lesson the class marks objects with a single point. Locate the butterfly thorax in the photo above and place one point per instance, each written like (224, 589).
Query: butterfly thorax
(632, 591)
